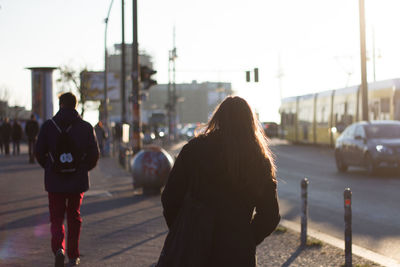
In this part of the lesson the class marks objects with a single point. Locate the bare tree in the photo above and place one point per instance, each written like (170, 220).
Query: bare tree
(71, 80)
(4, 97)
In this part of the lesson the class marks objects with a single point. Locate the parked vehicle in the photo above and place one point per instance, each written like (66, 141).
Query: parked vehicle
(371, 145)
(270, 129)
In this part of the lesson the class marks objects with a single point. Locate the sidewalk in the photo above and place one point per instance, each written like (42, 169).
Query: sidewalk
(121, 227)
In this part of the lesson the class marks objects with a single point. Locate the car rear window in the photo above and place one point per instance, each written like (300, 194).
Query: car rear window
(383, 131)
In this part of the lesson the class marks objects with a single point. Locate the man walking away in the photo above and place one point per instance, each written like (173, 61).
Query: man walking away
(67, 149)
(16, 135)
(1, 136)
(31, 131)
(6, 134)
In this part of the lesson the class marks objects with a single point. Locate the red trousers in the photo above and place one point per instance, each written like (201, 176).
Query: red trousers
(59, 203)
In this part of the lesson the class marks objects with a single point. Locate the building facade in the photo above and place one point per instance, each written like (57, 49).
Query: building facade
(114, 66)
(195, 101)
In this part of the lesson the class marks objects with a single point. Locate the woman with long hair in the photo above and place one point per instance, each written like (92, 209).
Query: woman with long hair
(236, 179)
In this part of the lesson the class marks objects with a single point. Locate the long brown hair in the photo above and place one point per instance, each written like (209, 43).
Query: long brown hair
(245, 146)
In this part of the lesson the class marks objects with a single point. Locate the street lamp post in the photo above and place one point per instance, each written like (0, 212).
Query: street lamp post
(105, 65)
(364, 84)
(137, 122)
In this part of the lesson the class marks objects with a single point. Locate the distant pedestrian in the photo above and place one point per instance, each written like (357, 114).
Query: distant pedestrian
(67, 149)
(6, 131)
(31, 131)
(1, 137)
(228, 170)
(101, 135)
(16, 136)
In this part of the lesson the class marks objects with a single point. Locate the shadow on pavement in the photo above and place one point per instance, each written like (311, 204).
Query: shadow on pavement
(24, 199)
(87, 209)
(292, 257)
(23, 209)
(111, 218)
(132, 226)
(135, 245)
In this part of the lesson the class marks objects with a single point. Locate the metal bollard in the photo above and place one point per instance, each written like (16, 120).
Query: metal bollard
(348, 230)
(304, 212)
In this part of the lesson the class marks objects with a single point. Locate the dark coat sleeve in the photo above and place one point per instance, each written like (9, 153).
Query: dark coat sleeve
(92, 155)
(174, 192)
(267, 213)
(41, 151)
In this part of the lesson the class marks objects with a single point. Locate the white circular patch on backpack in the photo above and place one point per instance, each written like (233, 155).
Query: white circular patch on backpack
(66, 158)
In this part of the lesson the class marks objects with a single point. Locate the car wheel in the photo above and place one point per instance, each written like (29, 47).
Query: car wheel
(340, 164)
(370, 165)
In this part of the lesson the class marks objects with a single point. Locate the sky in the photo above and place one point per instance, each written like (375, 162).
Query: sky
(314, 44)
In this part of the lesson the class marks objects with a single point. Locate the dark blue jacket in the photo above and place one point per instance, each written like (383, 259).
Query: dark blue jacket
(84, 138)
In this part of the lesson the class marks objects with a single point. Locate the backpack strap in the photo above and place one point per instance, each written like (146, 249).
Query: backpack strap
(59, 129)
(55, 124)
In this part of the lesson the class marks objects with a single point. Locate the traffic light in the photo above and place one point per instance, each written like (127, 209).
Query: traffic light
(247, 76)
(256, 75)
(248, 73)
(145, 77)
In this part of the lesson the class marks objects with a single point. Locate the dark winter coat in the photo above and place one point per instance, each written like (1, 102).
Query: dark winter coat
(31, 129)
(237, 232)
(6, 130)
(16, 134)
(83, 137)
(1, 132)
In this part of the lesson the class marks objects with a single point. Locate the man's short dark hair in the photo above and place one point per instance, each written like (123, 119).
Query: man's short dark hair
(67, 100)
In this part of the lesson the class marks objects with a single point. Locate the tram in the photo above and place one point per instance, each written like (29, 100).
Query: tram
(320, 118)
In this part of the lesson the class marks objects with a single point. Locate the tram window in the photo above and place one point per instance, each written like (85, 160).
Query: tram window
(385, 105)
(321, 115)
(291, 119)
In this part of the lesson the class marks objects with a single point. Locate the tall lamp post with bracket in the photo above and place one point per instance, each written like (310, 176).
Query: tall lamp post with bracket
(105, 105)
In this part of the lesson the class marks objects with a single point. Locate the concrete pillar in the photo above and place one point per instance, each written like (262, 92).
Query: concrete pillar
(42, 92)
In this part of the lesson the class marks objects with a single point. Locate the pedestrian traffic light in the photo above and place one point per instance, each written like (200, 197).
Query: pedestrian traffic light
(256, 75)
(145, 77)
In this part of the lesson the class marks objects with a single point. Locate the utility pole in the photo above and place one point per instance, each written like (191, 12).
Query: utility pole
(174, 96)
(172, 92)
(123, 71)
(364, 84)
(137, 124)
(169, 98)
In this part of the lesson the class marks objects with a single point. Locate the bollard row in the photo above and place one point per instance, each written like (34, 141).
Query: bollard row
(347, 219)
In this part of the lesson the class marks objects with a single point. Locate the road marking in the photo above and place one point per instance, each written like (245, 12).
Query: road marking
(357, 250)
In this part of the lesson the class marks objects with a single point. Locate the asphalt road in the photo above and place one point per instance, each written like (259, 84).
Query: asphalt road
(375, 200)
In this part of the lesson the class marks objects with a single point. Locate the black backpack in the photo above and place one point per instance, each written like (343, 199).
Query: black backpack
(66, 157)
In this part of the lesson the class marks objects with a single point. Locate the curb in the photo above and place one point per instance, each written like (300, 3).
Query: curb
(336, 242)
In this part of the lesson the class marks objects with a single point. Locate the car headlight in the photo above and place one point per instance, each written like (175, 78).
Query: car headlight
(384, 149)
